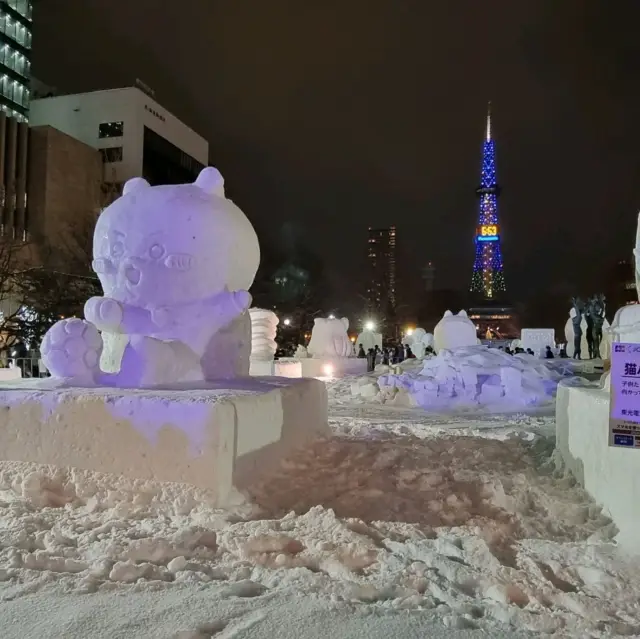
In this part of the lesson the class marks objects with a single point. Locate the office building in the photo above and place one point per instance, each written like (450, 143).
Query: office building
(15, 57)
(134, 134)
(65, 189)
(381, 258)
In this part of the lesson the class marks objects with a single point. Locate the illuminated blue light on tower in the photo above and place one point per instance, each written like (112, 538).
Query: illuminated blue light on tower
(488, 275)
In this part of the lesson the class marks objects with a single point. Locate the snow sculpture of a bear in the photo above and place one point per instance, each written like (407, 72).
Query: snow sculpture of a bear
(175, 264)
(329, 338)
(454, 331)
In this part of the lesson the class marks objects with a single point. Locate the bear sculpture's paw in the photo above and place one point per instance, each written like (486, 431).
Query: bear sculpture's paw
(71, 349)
(104, 313)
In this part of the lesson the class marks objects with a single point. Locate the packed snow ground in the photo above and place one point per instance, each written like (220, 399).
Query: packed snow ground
(402, 525)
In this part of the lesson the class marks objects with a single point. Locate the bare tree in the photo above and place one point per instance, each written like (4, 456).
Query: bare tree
(63, 281)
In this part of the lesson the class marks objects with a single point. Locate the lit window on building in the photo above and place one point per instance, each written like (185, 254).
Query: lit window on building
(14, 29)
(111, 130)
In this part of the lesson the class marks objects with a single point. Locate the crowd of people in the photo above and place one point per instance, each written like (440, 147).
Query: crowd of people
(388, 356)
(548, 353)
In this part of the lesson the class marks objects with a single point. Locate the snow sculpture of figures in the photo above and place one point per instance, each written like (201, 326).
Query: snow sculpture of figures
(454, 331)
(605, 344)
(264, 324)
(329, 338)
(175, 264)
(587, 315)
(597, 308)
(576, 318)
(369, 339)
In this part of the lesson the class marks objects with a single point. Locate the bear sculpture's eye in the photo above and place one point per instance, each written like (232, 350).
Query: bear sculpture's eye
(156, 252)
(117, 248)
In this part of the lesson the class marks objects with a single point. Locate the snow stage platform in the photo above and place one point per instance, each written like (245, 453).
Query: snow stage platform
(213, 436)
(610, 475)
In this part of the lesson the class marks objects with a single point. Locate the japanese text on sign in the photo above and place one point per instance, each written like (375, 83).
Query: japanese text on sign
(624, 415)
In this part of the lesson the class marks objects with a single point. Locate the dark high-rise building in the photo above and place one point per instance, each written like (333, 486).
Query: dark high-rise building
(381, 287)
(429, 277)
(15, 57)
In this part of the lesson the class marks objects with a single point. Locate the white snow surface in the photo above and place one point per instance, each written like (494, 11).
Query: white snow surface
(470, 377)
(403, 524)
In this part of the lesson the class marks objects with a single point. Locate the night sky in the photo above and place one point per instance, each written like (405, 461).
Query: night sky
(340, 114)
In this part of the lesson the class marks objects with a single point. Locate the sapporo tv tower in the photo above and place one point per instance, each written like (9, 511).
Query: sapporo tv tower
(493, 318)
(488, 275)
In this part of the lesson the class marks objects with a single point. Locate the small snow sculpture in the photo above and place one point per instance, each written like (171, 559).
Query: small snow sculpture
(329, 338)
(301, 352)
(454, 331)
(569, 333)
(419, 341)
(369, 339)
(175, 264)
(264, 324)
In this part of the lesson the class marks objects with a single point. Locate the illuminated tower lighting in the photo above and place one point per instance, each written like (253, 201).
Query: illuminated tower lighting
(488, 275)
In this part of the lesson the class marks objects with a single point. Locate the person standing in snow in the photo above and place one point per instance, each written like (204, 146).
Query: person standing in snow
(371, 360)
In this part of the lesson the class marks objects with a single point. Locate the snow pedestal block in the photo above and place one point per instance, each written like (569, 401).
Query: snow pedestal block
(610, 475)
(261, 367)
(288, 367)
(217, 436)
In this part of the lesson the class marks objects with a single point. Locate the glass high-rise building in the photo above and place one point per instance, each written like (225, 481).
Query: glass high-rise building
(15, 57)
(381, 255)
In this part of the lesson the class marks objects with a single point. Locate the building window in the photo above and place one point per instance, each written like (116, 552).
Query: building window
(15, 61)
(111, 130)
(111, 154)
(164, 163)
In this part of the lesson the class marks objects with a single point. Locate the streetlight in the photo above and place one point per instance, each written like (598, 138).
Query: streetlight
(332, 316)
(369, 325)
(287, 322)
(409, 332)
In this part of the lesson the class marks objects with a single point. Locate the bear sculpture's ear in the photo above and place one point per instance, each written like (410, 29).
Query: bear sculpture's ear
(447, 314)
(211, 181)
(463, 313)
(134, 184)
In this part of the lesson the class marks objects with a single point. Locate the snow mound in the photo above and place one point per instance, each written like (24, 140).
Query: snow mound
(472, 376)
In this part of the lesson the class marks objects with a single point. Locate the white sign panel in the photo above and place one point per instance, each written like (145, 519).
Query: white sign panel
(537, 339)
(624, 415)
